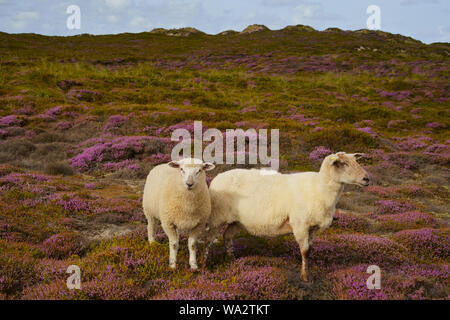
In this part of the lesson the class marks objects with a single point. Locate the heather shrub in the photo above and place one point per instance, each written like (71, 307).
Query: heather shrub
(426, 242)
(405, 281)
(18, 267)
(253, 278)
(340, 138)
(48, 137)
(352, 222)
(9, 121)
(319, 153)
(63, 245)
(211, 292)
(393, 206)
(406, 220)
(115, 122)
(348, 249)
(109, 286)
(84, 95)
(56, 168)
(131, 257)
(17, 148)
(121, 148)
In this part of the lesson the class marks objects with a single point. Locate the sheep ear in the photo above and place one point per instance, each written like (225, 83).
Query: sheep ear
(174, 164)
(207, 166)
(336, 161)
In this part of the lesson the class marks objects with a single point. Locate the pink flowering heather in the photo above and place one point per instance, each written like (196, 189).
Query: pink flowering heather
(350, 222)
(188, 125)
(364, 122)
(90, 186)
(435, 125)
(115, 122)
(395, 123)
(156, 114)
(249, 124)
(350, 284)
(405, 281)
(248, 109)
(51, 114)
(426, 242)
(393, 206)
(438, 148)
(11, 120)
(346, 249)
(379, 191)
(64, 125)
(412, 143)
(319, 153)
(438, 153)
(406, 220)
(62, 245)
(159, 158)
(89, 157)
(368, 130)
(120, 148)
(84, 95)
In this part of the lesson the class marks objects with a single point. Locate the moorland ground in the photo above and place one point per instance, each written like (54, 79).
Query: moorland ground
(83, 119)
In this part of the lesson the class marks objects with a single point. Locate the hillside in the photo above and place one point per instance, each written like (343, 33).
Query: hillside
(84, 118)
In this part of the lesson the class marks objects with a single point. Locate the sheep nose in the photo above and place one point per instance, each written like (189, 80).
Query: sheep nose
(366, 180)
(189, 184)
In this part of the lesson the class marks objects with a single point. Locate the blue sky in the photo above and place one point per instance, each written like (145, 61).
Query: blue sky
(425, 20)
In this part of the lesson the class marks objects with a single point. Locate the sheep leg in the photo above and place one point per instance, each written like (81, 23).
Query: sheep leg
(173, 236)
(192, 245)
(230, 232)
(151, 229)
(303, 243)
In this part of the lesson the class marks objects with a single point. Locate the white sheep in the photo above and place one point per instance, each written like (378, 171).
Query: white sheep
(278, 204)
(176, 193)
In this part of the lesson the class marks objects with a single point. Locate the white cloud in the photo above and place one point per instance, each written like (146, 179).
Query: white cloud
(416, 2)
(112, 19)
(118, 4)
(136, 21)
(23, 19)
(279, 3)
(311, 11)
(445, 33)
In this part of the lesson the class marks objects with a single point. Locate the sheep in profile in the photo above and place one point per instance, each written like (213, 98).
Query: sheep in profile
(176, 193)
(277, 204)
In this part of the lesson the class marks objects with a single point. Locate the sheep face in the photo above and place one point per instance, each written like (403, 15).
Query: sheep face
(192, 170)
(345, 169)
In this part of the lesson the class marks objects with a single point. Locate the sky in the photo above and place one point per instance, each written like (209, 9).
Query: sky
(425, 20)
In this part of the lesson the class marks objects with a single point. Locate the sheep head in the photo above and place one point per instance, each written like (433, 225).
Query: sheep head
(191, 170)
(344, 168)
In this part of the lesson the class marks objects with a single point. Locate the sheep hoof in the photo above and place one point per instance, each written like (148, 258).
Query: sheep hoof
(172, 266)
(193, 265)
(305, 277)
